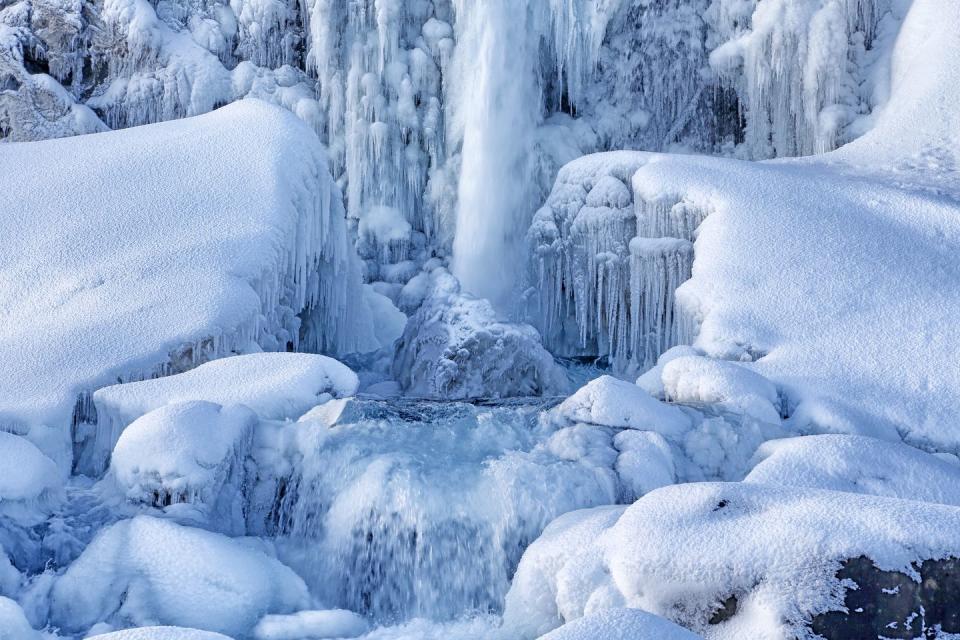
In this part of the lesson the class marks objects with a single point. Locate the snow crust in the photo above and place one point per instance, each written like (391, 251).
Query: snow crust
(620, 624)
(146, 571)
(274, 386)
(176, 262)
(857, 464)
(681, 551)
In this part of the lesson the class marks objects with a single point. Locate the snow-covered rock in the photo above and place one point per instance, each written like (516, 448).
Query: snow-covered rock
(276, 386)
(335, 623)
(610, 402)
(160, 633)
(857, 464)
(29, 478)
(147, 571)
(743, 560)
(620, 624)
(180, 261)
(457, 347)
(187, 455)
(699, 380)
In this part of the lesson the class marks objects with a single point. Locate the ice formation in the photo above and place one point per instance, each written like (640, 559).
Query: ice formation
(457, 347)
(137, 573)
(275, 386)
(728, 560)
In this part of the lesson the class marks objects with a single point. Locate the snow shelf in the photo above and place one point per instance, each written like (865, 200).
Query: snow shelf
(276, 386)
(142, 265)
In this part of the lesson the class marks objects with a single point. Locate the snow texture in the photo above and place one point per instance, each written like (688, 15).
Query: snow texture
(147, 571)
(275, 386)
(620, 624)
(682, 551)
(337, 623)
(857, 464)
(160, 633)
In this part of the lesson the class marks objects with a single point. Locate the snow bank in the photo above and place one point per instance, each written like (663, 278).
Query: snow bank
(740, 561)
(336, 623)
(457, 347)
(620, 624)
(147, 571)
(177, 262)
(857, 465)
(160, 633)
(189, 453)
(275, 386)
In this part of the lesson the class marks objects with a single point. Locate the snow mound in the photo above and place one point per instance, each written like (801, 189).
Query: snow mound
(736, 560)
(160, 633)
(275, 386)
(189, 453)
(857, 464)
(14, 624)
(610, 402)
(36, 477)
(699, 380)
(456, 347)
(335, 623)
(178, 262)
(147, 571)
(620, 624)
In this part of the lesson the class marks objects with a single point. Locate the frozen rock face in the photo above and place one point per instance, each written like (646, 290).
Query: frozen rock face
(857, 464)
(276, 386)
(147, 571)
(739, 560)
(457, 347)
(185, 456)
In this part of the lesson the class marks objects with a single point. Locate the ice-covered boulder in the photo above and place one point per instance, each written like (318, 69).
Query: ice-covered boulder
(217, 251)
(276, 386)
(857, 464)
(610, 402)
(748, 561)
(331, 623)
(457, 347)
(187, 455)
(620, 624)
(706, 381)
(160, 633)
(30, 483)
(148, 571)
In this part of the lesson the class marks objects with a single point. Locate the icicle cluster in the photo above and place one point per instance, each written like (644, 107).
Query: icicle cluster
(608, 264)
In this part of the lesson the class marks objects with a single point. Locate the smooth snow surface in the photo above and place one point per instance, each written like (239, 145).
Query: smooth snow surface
(144, 264)
(275, 386)
(620, 624)
(160, 633)
(681, 551)
(146, 571)
(336, 623)
(35, 474)
(857, 465)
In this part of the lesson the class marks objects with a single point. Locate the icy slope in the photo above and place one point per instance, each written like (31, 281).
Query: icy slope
(835, 275)
(142, 264)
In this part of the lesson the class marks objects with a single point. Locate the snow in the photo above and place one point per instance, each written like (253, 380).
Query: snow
(337, 623)
(857, 464)
(614, 403)
(274, 386)
(695, 379)
(187, 453)
(147, 571)
(176, 263)
(620, 624)
(160, 633)
(681, 551)
(14, 624)
(36, 475)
